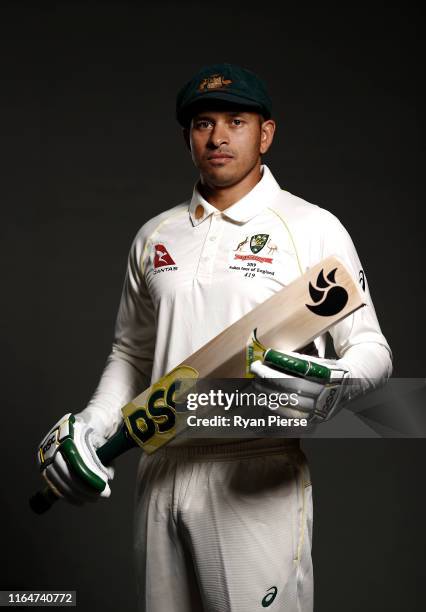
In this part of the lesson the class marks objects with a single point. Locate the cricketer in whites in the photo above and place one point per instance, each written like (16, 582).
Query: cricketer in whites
(221, 525)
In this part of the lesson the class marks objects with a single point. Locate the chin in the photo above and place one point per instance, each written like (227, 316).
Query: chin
(221, 176)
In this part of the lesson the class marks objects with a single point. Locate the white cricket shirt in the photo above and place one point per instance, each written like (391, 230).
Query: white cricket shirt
(193, 270)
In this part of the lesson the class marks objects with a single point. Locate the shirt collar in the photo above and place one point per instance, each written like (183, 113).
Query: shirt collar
(242, 211)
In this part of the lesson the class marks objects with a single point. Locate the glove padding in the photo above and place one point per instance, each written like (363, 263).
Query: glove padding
(318, 400)
(68, 461)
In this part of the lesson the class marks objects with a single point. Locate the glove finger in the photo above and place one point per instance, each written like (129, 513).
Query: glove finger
(70, 491)
(87, 441)
(94, 440)
(104, 472)
(300, 386)
(288, 384)
(301, 410)
(82, 439)
(265, 386)
(52, 478)
(290, 413)
(280, 401)
(263, 371)
(111, 471)
(73, 480)
(45, 475)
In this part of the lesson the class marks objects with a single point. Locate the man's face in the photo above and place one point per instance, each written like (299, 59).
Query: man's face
(226, 145)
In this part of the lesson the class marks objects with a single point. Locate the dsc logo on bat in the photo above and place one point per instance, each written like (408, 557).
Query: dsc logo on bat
(154, 418)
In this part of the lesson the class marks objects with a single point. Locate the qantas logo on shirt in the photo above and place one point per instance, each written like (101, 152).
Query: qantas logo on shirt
(163, 261)
(162, 257)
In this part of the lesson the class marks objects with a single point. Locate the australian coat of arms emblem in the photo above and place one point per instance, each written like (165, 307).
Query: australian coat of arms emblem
(257, 242)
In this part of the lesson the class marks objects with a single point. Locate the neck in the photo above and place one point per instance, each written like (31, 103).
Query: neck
(224, 197)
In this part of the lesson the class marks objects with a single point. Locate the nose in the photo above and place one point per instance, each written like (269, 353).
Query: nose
(219, 136)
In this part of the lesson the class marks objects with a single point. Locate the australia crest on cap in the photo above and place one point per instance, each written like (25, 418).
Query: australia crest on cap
(215, 81)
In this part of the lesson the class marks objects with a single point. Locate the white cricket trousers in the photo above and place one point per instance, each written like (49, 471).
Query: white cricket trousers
(224, 528)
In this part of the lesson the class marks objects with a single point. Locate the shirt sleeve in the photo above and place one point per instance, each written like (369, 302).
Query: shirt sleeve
(128, 367)
(358, 339)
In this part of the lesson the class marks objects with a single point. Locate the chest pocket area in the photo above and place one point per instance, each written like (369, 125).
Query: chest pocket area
(263, 258)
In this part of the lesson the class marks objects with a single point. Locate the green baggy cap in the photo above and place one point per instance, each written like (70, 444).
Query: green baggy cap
(222, 86)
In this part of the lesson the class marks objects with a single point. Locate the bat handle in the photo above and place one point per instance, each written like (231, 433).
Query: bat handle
(119, 443)
(43, 500)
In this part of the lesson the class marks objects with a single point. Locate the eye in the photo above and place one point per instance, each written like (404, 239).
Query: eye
(202, 124)
(237, 121)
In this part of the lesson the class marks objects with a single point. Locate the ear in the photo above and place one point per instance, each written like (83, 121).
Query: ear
(267, 135)
(185, 133)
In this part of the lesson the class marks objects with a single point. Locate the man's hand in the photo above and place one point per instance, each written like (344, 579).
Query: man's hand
(68, 461)
(318, 383)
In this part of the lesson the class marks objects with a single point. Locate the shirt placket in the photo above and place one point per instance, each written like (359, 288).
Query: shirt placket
(208, 254)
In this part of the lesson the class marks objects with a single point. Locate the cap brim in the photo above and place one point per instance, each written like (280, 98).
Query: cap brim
(218, 100)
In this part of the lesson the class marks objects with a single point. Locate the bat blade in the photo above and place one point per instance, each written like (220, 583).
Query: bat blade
(288, 320)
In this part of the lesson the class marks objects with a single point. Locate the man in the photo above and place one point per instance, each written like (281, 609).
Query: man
(219, 525)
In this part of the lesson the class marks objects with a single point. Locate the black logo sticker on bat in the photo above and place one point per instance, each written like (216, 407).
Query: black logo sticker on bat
(328, 297)
(362, 279)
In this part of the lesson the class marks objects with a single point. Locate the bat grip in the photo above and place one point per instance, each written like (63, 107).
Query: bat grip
(118, 444)
(297, 367)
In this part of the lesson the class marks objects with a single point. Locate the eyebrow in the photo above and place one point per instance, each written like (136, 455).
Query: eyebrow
(202, 116)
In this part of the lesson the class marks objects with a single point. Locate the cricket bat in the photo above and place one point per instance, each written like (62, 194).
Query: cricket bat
(288, 320)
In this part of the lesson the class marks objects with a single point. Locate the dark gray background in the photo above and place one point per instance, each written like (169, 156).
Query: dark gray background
(91, 151)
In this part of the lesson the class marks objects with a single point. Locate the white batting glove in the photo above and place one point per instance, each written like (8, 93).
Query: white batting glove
(68, 461)
(320, 384)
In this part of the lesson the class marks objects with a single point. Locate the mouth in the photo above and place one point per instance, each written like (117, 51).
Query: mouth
(220, 158)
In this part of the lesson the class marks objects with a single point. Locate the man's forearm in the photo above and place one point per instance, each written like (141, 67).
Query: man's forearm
(122, 379)
(369, 364)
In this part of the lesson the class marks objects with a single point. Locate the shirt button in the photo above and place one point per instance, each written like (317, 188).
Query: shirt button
(212, 238)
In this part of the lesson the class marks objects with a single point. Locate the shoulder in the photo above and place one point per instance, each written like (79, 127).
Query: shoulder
(308, 215)
(315, 231)
(153, 225)
(149, 231)
(294, 204)
(297, 213)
